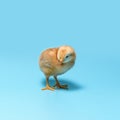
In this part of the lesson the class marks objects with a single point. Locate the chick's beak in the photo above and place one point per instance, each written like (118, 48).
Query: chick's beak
(61, 60)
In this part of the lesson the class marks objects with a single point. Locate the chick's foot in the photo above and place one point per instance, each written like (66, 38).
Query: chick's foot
(61, 86)
(48, 88)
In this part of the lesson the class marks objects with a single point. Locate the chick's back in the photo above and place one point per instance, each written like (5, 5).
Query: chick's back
(48, 61)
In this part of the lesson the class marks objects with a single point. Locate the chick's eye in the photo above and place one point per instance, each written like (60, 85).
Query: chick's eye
(67, 56)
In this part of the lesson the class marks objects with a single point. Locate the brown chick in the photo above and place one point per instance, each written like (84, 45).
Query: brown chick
(56, 61)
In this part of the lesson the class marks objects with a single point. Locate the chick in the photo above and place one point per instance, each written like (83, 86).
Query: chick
(56, 61)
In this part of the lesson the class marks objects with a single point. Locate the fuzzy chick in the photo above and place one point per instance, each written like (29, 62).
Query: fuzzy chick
(56, 61)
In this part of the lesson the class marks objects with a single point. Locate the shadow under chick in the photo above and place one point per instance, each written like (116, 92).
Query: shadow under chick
(72, 86)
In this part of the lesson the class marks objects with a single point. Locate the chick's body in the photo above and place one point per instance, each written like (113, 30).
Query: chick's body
(56, 61)
(50, 65)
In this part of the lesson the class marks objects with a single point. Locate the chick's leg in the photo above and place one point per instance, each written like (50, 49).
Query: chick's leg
(47, 85)
(58, 84)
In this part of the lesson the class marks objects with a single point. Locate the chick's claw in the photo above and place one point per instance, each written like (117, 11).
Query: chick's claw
(48, 88)
(61, 86)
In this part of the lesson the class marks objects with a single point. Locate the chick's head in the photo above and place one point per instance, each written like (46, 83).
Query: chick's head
(66, 54)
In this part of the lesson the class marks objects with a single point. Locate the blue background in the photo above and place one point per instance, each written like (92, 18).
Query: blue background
(92, 27)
